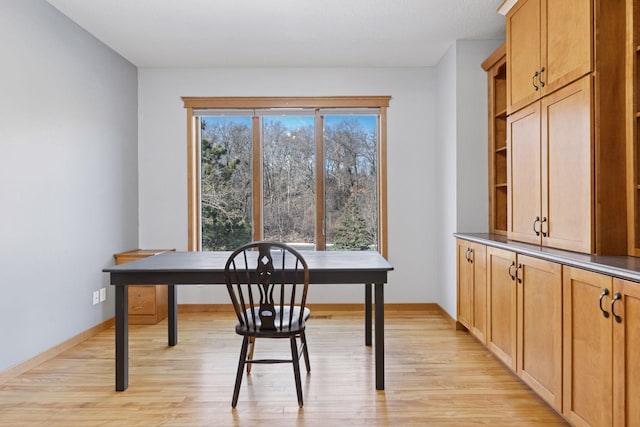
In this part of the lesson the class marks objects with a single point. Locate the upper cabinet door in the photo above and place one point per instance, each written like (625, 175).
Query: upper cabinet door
(523, 54)
(549, 45)
(567, 168)
(567, 42)
(524, 180)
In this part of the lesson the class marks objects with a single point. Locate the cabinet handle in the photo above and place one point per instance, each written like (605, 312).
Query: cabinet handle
(544, 221)
(534, 225)
(518, 270)
(136, 307)
(533, 81)
(467, 255)
(617, 297)
(604, 293)
(540, 79)
(513, 264)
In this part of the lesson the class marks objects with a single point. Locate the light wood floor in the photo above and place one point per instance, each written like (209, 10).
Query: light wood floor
(434, 376)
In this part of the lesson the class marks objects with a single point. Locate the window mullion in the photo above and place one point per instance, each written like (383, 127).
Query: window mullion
(194, 242)
(382, 182)
(256, 124)
(320, 196)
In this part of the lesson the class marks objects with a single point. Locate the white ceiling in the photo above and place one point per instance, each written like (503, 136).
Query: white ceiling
(284, 33)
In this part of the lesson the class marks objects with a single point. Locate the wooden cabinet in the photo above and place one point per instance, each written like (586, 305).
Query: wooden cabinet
(496, 67)
(571, 334)
(550, 198)
(523, 54)
(587, 341)
(471, 288)
(567, 168)
(565, 85)
(626, 353)
(465, 281)
(524, 146)
(147, 303)
(588, 383)
(539, 327)
(548, 46)
(601, 349)
(632, 121)
(501, 305)
(525, 319)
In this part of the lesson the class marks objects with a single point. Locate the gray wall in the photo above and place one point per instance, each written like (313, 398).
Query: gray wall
(68, 176)
(462, 149)
(447, 174)
(437, 160)
(411, 179)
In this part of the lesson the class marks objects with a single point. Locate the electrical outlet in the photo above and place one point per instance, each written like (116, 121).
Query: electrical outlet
(103, 294)
(96, 297)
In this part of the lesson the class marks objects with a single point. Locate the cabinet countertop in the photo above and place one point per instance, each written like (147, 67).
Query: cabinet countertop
(623, 267)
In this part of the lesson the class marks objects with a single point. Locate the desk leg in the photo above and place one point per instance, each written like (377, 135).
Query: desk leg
(379, 325)
(367, 314)
(122, 338)
(172, 318)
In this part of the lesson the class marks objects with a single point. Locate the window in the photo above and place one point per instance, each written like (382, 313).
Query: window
(307, 171)
(351, 181)
(288, 179)
(225, 182)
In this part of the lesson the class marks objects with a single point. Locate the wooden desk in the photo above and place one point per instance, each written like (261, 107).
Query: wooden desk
(207, 268)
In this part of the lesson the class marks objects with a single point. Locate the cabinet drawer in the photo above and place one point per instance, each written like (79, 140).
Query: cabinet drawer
(142, 299)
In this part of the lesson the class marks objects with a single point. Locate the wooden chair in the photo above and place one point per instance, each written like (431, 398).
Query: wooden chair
(267, 283)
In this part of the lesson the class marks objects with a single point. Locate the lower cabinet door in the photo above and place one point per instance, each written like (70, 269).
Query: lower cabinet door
(501, 305)
(465, 278)
(626, 353)
(539, 353)
(479, 318)
(587, 347)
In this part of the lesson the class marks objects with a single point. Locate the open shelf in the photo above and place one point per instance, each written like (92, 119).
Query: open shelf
(633, 139)
(496, 68)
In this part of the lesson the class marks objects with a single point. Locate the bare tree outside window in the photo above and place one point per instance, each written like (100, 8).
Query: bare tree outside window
(288, 181)
(351, 207)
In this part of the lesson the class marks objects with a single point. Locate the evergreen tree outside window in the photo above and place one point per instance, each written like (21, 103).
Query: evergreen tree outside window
(225, 182)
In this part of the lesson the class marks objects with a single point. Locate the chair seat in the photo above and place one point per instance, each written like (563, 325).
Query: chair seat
(282, 329)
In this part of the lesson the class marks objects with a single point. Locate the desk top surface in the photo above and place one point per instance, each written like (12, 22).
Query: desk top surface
(208, 267)
(215, 261)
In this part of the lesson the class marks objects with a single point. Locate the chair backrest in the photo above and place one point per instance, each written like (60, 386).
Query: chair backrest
(267, 283)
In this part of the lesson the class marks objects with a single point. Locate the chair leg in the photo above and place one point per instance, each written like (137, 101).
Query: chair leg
(305, 353)
(241, 363)
(296, 368)
(252, 345)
